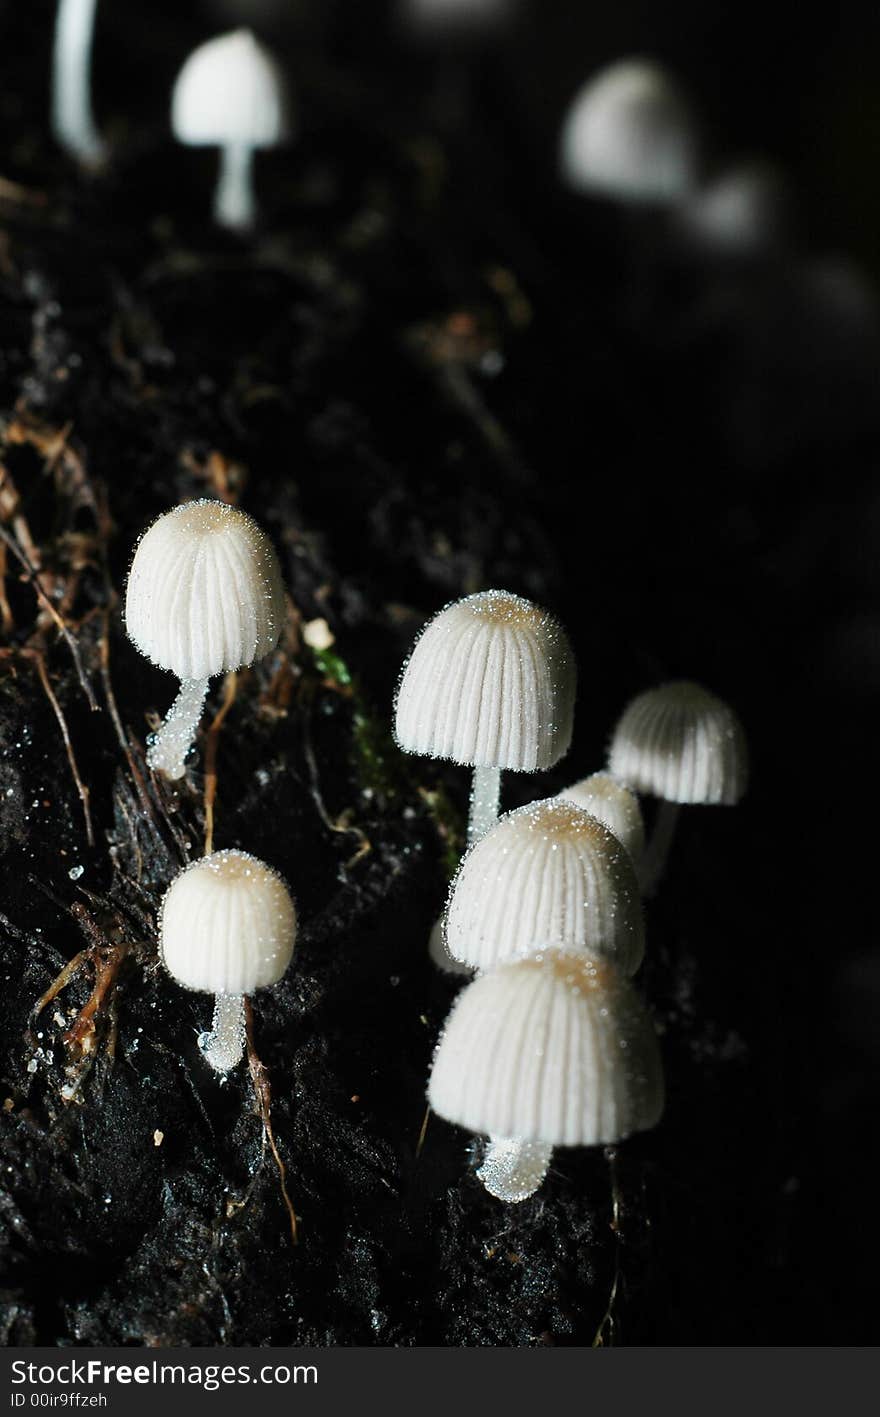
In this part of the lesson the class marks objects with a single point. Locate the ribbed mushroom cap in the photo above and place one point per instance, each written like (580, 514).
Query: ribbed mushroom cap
(555, 1049)
(547, 875)
(204, 592)
(628, 134)
(228, 925)
(611, 803)
(230, 91)
(490, 683)
(681, 743)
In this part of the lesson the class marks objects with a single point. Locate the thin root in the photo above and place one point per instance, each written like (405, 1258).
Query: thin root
(213, 739)
(263, 1095)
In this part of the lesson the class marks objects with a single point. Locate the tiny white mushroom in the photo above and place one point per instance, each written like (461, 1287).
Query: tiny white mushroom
(555, 1050)
(682, 744)
(490, 683)
(547, 873)
(628, 135)
(72, 123)
(611, 803)
(204, 596)
(231, 93)
(227, 928)
(744, 211)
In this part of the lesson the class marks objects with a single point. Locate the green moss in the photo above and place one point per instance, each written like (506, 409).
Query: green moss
(375, 756)
(381, 768)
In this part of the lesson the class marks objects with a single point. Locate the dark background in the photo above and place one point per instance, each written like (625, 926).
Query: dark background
(678, 455)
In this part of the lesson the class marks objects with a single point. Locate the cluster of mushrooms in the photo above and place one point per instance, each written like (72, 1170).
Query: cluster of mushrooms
(628, 134)
(549, 1045)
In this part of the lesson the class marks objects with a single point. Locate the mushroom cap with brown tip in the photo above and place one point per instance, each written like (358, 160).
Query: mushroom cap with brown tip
(612, 803)
(549, 873)
(490, 682)
(555, 1049)
(228, 925)
(204, 593)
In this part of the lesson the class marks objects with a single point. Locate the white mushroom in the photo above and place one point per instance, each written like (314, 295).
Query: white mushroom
(554, 1050)
(72, 123)
(227, 928)
(628, 134)
(612, 803)
(231, 93)
(204, 596)
(682, 744)
(490, 683)
(548, 875)
(741, 212)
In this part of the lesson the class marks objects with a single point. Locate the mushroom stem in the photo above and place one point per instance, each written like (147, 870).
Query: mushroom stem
(234, 204)
(513, 1169)
(72, 121)
(223, 1047)
(485, 797)
(656, 855)
(168, 750)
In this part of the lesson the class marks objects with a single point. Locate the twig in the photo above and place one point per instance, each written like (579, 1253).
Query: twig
(423, 1132)
(136, 775)
(33, 576)
(263, 1094)
(340, 826)
(71, 757)
(6, 621)
(616, 1215)
(213, 740)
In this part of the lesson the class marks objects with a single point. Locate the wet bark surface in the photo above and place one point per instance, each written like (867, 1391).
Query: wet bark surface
(422, 380)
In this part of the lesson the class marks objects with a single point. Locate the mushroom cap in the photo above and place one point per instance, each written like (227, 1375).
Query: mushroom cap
(611, 803)
(745, 210)
(228, 925)
(547, 873)
(628, 134)
(204, 592)
(490, 682)
(231, 90)
(681, 743)
(555, 1049)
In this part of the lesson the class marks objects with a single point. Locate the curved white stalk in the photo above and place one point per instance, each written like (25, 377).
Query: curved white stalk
(234, 202)
(223, 1046)
(168, 750)
(653, 862)
(72, 121)
(485, 798)
(513, 1169)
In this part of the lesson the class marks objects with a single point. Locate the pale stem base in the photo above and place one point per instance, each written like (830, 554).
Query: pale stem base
(513, 1169)
(168, 750)
(223, 1047)
(656, 854)
(234, 203)
(72, 123)
(485, 797)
